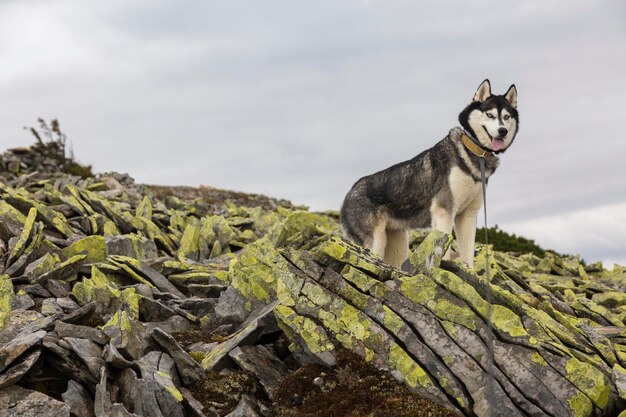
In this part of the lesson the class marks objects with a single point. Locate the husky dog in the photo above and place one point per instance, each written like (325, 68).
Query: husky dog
(440, 187)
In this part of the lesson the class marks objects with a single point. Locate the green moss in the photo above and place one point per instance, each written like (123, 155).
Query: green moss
(197, 356)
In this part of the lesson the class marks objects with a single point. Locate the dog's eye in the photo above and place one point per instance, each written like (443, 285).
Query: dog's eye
(491, 116)
(507, 117)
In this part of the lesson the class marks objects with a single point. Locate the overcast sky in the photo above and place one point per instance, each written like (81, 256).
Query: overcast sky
(300, 99)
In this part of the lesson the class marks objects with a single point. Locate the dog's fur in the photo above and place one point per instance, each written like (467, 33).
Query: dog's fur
(440, 187)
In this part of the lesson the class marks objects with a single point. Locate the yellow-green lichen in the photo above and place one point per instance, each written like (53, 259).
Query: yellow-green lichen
(537, 358)
(414, 374)
(315, 340)
(445, 309)
(6, 293)
(355, 322)
(94, 247)
(589, 380)
(507, 321)
(392, 321)
(419, 288)
(361, 280)
(580, 405)
(165, 380)
(430, 252)
(24, 237)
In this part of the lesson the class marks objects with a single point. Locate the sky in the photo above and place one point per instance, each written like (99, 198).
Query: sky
(298, 100)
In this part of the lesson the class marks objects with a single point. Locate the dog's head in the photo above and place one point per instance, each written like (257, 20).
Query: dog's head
(492, 120)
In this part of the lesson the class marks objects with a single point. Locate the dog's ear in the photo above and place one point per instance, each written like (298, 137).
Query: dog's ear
(511, 96)
(483, 92)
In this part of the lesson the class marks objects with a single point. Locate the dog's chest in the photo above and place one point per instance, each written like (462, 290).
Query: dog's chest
(465, 191)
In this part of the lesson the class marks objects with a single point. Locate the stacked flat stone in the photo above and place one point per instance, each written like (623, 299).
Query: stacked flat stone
(97, 274)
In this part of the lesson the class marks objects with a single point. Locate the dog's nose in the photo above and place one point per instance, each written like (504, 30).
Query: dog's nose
(502, 131)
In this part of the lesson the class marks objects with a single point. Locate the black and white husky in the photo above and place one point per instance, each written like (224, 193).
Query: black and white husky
(439, 188)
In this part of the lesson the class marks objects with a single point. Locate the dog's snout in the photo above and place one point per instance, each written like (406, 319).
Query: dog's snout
(502, 131)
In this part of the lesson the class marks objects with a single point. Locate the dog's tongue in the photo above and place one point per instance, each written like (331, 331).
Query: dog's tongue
(497, 144)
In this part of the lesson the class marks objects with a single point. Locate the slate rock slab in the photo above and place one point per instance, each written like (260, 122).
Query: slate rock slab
(15, 373)
(263, 363)
(247, 334)
(231, 307)
(21, 402)
(12, 350)
(81, 332)
(78, 399)
(189, 370)
(247, 407)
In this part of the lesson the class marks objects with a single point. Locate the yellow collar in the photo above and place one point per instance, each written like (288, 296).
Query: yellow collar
(475, 149)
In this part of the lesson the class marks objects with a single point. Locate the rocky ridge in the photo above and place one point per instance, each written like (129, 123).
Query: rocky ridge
(116, 301)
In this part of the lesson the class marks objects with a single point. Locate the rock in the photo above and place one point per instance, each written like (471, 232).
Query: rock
(63, 359)
(206, 290)
(15, 373)
(194, 407)
(429, 253)
(154, 310)
(248, 333)
(81, 332)
(158, 370)
(230, 307)
(247, 407)
(17, 321)
(100, 271)
(58, 288)
(89, 351)
(263, 364)
(127, 334)
(6, 293)
(111, 355)
(610, 299)
(189, 370)
(151, 274)
(171, 325)
(102, 402)
(13, 349)
(22, 301)
(131, 245)
(18, 401)
(78, 399)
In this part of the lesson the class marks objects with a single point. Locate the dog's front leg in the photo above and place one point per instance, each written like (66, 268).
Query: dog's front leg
(465, 227)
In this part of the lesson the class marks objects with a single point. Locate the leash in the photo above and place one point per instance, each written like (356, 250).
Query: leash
(490, 386)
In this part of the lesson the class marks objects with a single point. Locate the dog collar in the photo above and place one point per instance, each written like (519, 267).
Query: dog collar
(474, 148)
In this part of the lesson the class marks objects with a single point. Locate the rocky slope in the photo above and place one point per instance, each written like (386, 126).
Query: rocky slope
(116, 300)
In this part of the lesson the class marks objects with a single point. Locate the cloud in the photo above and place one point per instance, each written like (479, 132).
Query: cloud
(599, 233)
(299, 101)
